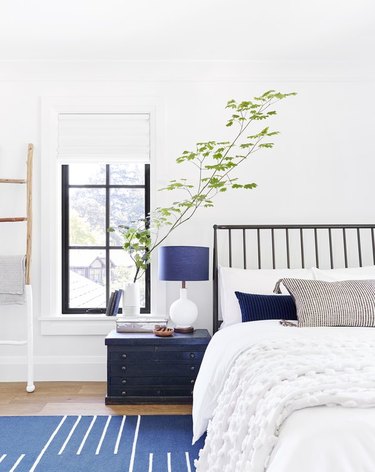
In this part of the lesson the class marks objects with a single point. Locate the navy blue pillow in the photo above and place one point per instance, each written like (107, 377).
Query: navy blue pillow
(266, 307)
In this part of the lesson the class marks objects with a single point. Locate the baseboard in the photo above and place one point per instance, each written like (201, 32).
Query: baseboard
(54, 368)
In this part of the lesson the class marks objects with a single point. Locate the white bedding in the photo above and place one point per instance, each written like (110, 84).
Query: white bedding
(316, 439)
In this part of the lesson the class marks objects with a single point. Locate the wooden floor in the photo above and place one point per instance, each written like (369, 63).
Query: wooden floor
(72, 398)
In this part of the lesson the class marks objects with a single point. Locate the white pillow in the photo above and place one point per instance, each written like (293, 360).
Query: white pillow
(259, 281)
(338, 275)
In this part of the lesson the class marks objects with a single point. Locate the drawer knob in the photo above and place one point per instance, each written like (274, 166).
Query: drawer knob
(158, 392)
(192, 368)
(192, 381)
(123, 367)
(124, 356)
(123, 381)
(192, 355)
(123, 393)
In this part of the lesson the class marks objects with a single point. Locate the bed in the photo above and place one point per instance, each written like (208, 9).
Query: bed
(280, 398)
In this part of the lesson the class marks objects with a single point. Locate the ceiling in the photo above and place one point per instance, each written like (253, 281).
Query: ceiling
(322, 30)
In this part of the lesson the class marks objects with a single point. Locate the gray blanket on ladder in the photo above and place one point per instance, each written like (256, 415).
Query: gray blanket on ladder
(12, 280)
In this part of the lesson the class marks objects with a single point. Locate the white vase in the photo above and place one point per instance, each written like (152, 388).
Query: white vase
(183, 312)
(131, 305)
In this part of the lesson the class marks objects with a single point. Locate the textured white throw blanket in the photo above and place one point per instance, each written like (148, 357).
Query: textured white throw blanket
(271, 380)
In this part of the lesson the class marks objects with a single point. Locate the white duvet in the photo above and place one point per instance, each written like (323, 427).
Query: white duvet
(261, 387)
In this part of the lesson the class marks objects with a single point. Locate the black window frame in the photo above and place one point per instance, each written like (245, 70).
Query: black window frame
(66, 247)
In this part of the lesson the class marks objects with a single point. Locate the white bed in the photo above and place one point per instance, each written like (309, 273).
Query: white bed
(318, 438)
(286, 399)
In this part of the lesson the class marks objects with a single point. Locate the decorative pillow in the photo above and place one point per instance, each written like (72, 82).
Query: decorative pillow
(352, 273)
(266, 307)
(258, 281)
(319, 303)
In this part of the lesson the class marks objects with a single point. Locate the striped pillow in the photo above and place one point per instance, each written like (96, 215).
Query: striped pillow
(319, 303)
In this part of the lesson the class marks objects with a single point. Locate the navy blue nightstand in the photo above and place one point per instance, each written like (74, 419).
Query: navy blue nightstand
(143, 368)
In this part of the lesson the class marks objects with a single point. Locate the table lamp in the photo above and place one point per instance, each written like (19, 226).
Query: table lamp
(183, 263)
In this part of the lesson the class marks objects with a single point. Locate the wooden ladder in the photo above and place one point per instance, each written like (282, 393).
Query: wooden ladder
(28, 292)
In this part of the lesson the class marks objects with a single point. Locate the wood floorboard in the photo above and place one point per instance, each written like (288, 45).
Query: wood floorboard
(72, 398)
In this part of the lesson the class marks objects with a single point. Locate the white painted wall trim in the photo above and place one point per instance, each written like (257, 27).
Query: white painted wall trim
(187, 71)
(51, 202)
(54, 368)
(76, 325)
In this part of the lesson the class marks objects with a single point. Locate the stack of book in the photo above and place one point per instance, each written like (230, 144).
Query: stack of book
(139, 324)
(114, 303)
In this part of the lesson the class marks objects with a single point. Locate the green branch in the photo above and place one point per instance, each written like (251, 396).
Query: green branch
(216, 162)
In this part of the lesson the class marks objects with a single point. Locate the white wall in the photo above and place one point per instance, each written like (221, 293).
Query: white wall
(321, 170)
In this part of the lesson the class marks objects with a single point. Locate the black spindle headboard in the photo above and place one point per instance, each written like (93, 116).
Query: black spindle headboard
(290, 246)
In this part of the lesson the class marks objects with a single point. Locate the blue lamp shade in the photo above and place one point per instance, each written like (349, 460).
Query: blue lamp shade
(183, 263)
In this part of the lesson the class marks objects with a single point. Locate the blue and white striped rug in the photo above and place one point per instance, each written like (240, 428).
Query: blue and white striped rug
(97, 443)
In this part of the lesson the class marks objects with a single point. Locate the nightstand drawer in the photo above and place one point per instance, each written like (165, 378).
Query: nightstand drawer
(131, 381)
(126, 355)
(159, 391)
(172, 356)
(181, 347)
(164, 369)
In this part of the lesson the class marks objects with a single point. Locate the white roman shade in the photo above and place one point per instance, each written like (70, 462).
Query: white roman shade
(103, 137)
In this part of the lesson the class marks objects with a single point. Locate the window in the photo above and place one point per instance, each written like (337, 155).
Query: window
(78, 132)
(96, 196)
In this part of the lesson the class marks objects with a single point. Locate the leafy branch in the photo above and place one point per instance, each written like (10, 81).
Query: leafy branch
(215, 162)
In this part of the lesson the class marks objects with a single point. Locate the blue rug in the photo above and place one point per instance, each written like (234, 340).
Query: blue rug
(97, 443)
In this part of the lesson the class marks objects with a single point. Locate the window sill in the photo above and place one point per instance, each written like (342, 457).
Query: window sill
(77, 325)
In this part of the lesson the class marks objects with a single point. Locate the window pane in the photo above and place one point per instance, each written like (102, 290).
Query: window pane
(127, 174)
(87, 217)
(127, 205)
(122, 271)
(87, 174)
(87, 278)
(87, 224)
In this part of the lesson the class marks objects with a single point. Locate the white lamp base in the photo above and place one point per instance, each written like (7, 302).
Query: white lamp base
(183, 312)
